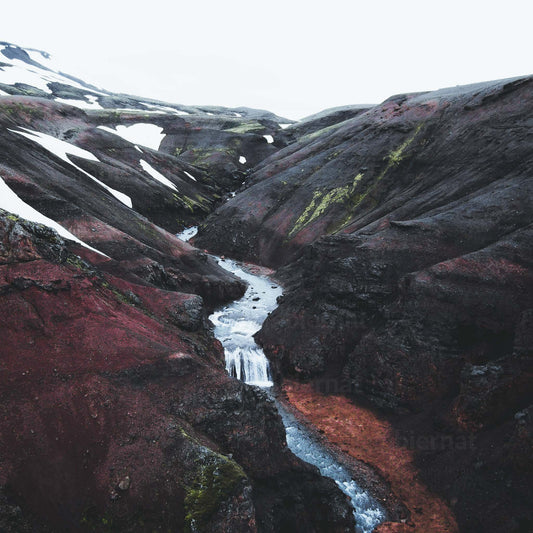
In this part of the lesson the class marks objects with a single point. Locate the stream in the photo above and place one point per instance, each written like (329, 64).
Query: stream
(235, 325)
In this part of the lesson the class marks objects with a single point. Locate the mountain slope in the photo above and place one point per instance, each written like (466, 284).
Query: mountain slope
(98, 171)
(397, 161)
(116, 412)
(211, 137)
(405, 236)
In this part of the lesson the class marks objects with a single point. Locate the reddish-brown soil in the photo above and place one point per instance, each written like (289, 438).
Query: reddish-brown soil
(366, 437)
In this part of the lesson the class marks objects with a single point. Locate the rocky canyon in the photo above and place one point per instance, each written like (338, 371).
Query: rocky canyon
(401, 234)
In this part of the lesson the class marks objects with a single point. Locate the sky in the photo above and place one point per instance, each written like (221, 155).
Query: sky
(291, 57)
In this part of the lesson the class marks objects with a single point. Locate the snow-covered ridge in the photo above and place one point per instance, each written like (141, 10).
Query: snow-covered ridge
(9, 201)
(165, 109)
(91, 104)
(34, 73)
(62, 148)
(37, 69)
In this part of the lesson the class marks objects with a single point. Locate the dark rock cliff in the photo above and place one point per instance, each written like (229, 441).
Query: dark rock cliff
(116, 413)
(407, 238)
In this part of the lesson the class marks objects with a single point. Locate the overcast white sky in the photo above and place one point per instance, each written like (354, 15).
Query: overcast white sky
(291, 57)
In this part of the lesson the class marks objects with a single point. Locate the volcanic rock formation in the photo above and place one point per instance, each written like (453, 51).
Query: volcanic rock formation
(116, 413)
(402, 234)
(405, 235)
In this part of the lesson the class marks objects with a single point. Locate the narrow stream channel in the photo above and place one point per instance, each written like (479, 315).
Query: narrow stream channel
(235, 325)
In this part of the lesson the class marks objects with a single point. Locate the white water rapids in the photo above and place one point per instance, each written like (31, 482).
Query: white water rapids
(235, 325)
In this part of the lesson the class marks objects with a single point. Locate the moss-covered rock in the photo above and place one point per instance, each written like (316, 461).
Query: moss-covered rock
(217, 481)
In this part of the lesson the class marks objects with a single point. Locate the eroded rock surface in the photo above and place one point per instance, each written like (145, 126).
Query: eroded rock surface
(116, 412)
(405, 236)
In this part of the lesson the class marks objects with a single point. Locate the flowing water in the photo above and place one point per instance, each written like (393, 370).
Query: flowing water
(235, 325)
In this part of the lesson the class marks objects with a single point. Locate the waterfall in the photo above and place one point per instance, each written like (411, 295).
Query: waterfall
(235, 325)
(187, 234)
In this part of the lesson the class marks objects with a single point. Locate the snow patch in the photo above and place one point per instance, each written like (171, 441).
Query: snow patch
(138, 149)
(14, 204)
(138, 111)
(56, 146)
(22, 72)
(242, 160)
(81, 104)
(42, 58)
(190, 175)
(61, 149)
(149, 135)
(283, 126)
(269, 139)
(157, 175)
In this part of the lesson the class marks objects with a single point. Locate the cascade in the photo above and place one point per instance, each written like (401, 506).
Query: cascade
(235, 324)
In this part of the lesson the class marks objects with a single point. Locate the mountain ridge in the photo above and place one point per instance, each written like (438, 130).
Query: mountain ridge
(401, 233)
(114, 396)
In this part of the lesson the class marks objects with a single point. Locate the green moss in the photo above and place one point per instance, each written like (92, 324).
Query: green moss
(334, 155)
(13, 218)
(148, 229)
(75, 261)
(322, 201)
(350, 195)
(393, 159)
(396, 156)
(305, 216)
(123, 298)
(202, 157)
(189, 203)
(91, 521)
(318, 133)
(247, 127)
(218, 479)
(78, 263)
(202, 200)
(13, 109)
(198, 202)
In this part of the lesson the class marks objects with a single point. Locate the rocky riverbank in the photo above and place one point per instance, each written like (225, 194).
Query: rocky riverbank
(403, 236)
(116, 412)
(372, 440)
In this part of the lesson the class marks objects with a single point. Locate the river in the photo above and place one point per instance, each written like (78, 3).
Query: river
(235, 325)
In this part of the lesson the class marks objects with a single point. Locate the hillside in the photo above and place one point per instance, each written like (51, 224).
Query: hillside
(116, 411)
(402, 235)
(405, 239)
